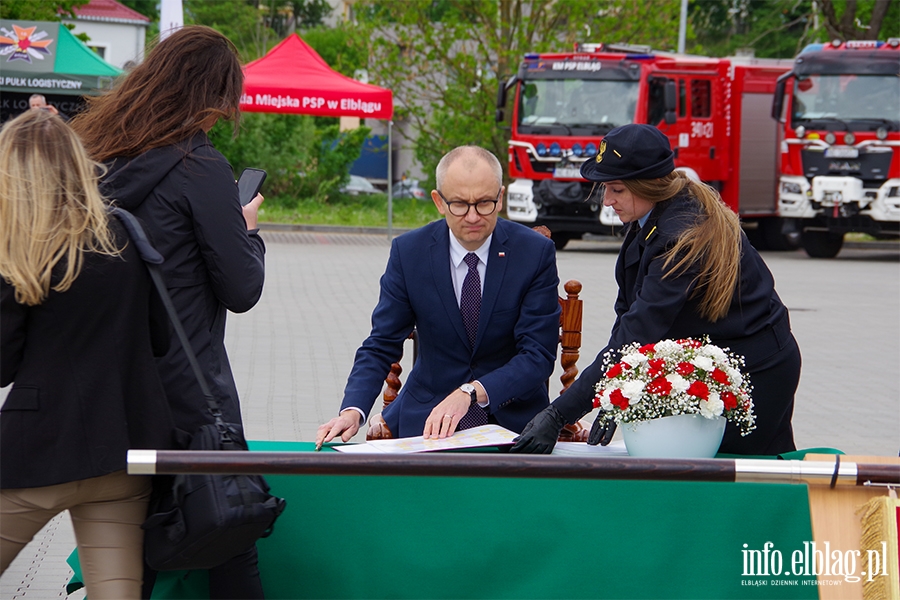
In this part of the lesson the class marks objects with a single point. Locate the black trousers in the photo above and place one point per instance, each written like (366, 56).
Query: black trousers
(235, 579)
(774, 385)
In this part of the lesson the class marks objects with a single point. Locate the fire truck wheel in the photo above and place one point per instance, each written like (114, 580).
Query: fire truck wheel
(822, 244)
(774, 239)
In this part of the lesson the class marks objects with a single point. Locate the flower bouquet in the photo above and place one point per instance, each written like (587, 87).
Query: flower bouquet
(675, 377)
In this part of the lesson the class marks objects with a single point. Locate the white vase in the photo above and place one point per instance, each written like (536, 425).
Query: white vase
(678, 436)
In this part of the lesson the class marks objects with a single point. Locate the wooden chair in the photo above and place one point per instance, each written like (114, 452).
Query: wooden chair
(570, 346)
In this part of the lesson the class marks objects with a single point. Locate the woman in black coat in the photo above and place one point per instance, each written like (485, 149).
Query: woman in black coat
(685, 269)
(80, 325)
(151, 131)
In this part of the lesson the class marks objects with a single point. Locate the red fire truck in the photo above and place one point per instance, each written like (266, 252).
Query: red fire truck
(838, 113)
(715, 111)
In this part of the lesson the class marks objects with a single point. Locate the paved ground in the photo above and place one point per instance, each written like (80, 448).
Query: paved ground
(291, 354)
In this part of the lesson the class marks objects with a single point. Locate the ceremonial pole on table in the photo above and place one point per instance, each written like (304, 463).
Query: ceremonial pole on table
(154, 462)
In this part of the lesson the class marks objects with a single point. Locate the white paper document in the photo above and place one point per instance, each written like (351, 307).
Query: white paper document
(616, 448)
(486, 435)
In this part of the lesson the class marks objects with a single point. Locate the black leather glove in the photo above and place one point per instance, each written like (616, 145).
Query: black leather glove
(541, 433)
(601, 431)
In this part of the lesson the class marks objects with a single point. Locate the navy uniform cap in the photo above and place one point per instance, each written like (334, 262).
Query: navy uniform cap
(635, 151)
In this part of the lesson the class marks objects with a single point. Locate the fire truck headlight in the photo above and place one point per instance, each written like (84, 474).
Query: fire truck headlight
(881, 133)
(788, 187)
(830, 138)
(849, 138)
(541, 149)
(555, 149)
(576, 149)
(800, 131)
(590, 149)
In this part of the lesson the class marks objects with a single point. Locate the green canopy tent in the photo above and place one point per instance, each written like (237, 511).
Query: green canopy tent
(43, 57)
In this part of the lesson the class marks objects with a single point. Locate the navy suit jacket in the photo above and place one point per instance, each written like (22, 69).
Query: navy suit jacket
(518, 329)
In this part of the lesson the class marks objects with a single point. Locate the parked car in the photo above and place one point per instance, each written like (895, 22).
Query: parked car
(359, 185)
(409, 188)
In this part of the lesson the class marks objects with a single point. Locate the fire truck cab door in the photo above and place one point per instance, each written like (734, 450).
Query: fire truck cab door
(697, 136)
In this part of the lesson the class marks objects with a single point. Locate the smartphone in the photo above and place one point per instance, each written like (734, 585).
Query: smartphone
(249, 184)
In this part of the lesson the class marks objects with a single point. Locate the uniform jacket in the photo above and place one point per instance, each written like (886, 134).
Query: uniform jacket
(518, 329)
(650, 308)
(186, 197)
(85, 386)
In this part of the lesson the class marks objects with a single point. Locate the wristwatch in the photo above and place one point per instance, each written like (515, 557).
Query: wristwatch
(471, 391)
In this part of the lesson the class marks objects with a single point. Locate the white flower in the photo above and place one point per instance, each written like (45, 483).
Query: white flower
(605, 404)
(667, 348)
(734, 376)
(633, 390)
(703, 362)
(712, 407)
(634, 359)
(713, 352)
(679, 383)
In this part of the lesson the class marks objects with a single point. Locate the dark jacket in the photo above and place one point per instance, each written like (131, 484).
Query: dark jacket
(518, 329)
(650, 308)
(187, 199)
(85, 386)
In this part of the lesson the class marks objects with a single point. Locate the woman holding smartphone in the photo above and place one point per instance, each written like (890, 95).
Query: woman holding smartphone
(151, 132)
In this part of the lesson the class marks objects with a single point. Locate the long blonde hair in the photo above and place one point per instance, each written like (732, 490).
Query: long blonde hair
(713, 242)
(51, 211)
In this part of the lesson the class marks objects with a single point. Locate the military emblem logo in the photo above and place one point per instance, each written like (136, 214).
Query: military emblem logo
(23, 44)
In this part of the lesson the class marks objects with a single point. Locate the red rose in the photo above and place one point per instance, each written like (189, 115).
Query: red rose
(614, 371)
(646, 348)
(618, 399)
(659, 386)
(699, 389)
(657, 366)
(597, 400)
(684, 369)
(730, 400)
(720, 376)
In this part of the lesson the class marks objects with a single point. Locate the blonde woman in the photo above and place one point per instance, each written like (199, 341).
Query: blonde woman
(685, 269)
(81, 324)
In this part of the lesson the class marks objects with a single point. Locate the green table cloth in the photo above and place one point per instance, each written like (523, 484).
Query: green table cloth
(451, 537)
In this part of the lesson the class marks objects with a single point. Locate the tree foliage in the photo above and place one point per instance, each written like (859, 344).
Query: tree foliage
(255, 26)
(286, 16)
(240, 20)
(861, 19)
(443, 59)
(781, 28)
(339, 47)
(148, 8)
(302, 160)
(39, 10)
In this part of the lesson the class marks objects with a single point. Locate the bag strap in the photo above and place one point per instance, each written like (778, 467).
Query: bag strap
(152, 258)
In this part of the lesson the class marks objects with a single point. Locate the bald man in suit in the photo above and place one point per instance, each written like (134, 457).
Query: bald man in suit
(482, 294)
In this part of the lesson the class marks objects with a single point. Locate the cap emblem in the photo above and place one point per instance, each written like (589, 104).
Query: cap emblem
(602, 150)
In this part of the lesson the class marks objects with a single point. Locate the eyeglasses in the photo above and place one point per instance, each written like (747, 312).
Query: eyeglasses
(459, 208)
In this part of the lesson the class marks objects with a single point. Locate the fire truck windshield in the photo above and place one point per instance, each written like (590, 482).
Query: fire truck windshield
(842, 98)
(596, 105)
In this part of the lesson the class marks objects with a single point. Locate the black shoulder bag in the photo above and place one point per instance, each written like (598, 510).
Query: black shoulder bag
(201, 521)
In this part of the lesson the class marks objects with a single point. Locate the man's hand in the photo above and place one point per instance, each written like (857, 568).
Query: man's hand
(602, 430)
(346, 425)
(541, 433)
(442, 421)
